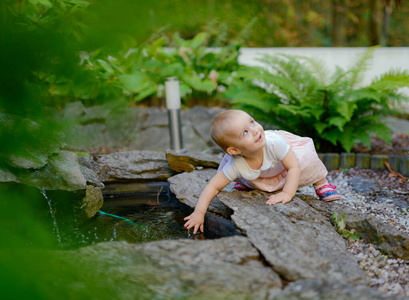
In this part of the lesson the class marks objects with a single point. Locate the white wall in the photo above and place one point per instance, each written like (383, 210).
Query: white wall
(384, 59)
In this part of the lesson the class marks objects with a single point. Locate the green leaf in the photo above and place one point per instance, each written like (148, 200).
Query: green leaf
(331, 135)
(320, 127)
(338, 121)
(46, 3)
(365, 94)
(346, 109)
(171, 70)
(250, 98)
(184, 89)
(106, 66)
(294, 110)
(198, 40)
(347, 142)
(391, 80)
(150, 90)
(152, 50)
(134, 83)
(203, 85)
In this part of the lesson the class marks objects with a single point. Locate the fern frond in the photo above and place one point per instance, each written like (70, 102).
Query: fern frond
(366, 94)
(339, 79)
(318, 68)
(254, 100)
(271, 82)
(295, 73)
(360, 67)
(391, 80)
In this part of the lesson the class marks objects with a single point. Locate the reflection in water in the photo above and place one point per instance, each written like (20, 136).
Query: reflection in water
(133, 219)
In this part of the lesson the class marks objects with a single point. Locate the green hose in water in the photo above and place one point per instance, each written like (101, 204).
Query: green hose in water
(122, 218)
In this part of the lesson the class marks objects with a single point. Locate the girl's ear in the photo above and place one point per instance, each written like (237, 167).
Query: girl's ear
(233, 151)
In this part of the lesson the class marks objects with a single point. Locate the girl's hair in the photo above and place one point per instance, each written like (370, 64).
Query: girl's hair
(219, 126)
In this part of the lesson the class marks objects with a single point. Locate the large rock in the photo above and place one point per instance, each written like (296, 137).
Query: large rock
(228, 268)
(190, 161)
(132, 166)
(372, 230)
(294, 238)
(188, 186)
(62, 172)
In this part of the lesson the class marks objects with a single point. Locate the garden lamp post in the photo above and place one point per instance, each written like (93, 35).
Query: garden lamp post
(173, 106)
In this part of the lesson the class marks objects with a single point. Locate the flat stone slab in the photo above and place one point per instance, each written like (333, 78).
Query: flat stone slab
(190, 161)
(228, 268)
(294, 238)
(132, 166)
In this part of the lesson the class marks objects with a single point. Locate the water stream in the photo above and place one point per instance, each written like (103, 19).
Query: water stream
(56, 230)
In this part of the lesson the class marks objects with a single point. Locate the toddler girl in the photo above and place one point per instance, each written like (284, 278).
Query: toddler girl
(265, 160)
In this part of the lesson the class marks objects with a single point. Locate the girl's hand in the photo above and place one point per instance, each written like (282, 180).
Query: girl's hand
(195, 220)
(281, 197)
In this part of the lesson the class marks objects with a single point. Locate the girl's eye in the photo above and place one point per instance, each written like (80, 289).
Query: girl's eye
(252, 122)
(245, 132)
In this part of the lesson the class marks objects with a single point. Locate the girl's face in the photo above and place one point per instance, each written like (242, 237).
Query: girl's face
(244, 135)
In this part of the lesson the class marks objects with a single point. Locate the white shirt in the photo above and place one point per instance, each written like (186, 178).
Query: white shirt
(274, 151)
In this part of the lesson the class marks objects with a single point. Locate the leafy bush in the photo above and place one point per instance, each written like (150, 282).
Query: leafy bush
(299, 95)
(139, 73)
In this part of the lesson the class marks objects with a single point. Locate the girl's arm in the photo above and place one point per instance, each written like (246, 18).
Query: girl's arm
(291, 164)
(196, 219)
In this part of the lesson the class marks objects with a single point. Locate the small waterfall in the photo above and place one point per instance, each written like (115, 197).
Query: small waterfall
(53, 216)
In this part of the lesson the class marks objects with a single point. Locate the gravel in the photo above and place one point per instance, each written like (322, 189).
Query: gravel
(387, 199)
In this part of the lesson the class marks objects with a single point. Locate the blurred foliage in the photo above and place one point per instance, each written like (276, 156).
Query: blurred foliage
(312, 23)
(140, 72)
(40, 46)
(299, 94)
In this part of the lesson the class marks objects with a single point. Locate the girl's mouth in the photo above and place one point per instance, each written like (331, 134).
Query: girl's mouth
(260, 137)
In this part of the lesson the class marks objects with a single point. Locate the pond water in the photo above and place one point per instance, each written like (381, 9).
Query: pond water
(135, 218)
